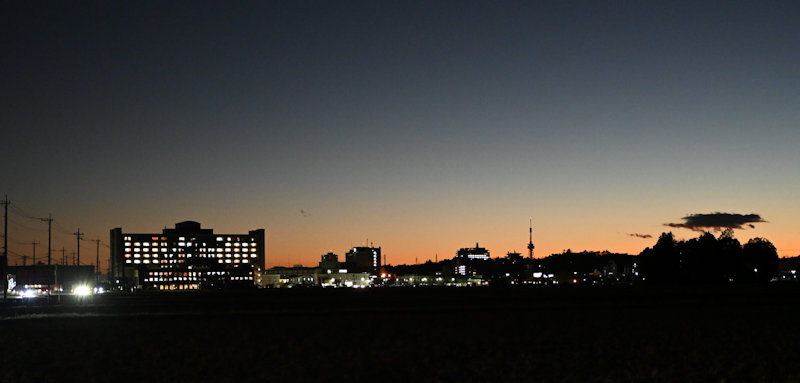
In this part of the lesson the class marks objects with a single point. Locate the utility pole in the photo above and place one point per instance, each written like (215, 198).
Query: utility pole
(4, 261)
(79, 236)
(49, 221)
(63, 256)
(73, 258)
(34, 243)
(24, 260)
(97, 261)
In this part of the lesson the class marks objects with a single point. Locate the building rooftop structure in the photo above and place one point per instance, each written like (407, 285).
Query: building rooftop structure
(476, 252)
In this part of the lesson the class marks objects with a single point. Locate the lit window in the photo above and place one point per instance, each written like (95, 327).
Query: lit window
(137, 244)
(127, 243)
(147, 244)
(219, 239)
(127, 255)
(181, 243)
(136, 261)
(182, 238)
(127, 261)
(137, 249)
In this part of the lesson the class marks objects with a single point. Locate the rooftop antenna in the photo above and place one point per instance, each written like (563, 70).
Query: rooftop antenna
(530, 238)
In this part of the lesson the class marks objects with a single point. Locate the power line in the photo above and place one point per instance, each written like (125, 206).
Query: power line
(20, 225)
(16, 242)
(22, 212)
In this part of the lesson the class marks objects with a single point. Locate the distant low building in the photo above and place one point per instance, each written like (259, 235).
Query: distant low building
(187, 257)
(329, 261)
(514, 256)
(342, 278)
(289, 276)
(313, 276)
(53, 277)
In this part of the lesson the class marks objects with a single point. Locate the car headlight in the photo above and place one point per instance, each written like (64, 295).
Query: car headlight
(82, 290)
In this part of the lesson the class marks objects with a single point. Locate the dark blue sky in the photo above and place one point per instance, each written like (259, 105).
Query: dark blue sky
(424, 125)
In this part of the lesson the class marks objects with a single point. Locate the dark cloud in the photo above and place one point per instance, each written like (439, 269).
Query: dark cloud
(717, 221)
(637, 235)
(304, 213)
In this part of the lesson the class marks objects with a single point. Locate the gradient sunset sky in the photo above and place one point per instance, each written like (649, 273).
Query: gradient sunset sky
(420, 126)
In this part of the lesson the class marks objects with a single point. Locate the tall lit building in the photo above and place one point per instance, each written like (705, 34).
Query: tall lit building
(363, 259)
(187, 257)
(465, 258)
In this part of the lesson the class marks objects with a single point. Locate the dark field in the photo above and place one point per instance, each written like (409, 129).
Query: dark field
(431, 334)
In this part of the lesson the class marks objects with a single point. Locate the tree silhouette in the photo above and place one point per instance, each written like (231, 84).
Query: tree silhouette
(731, 254)
(706, 259)
(661, 263)
(759, 261)
(701, 259)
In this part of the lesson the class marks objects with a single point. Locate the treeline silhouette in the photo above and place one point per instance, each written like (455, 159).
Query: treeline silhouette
(708, 259)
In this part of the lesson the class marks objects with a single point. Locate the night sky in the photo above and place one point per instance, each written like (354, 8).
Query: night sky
(422, 127)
